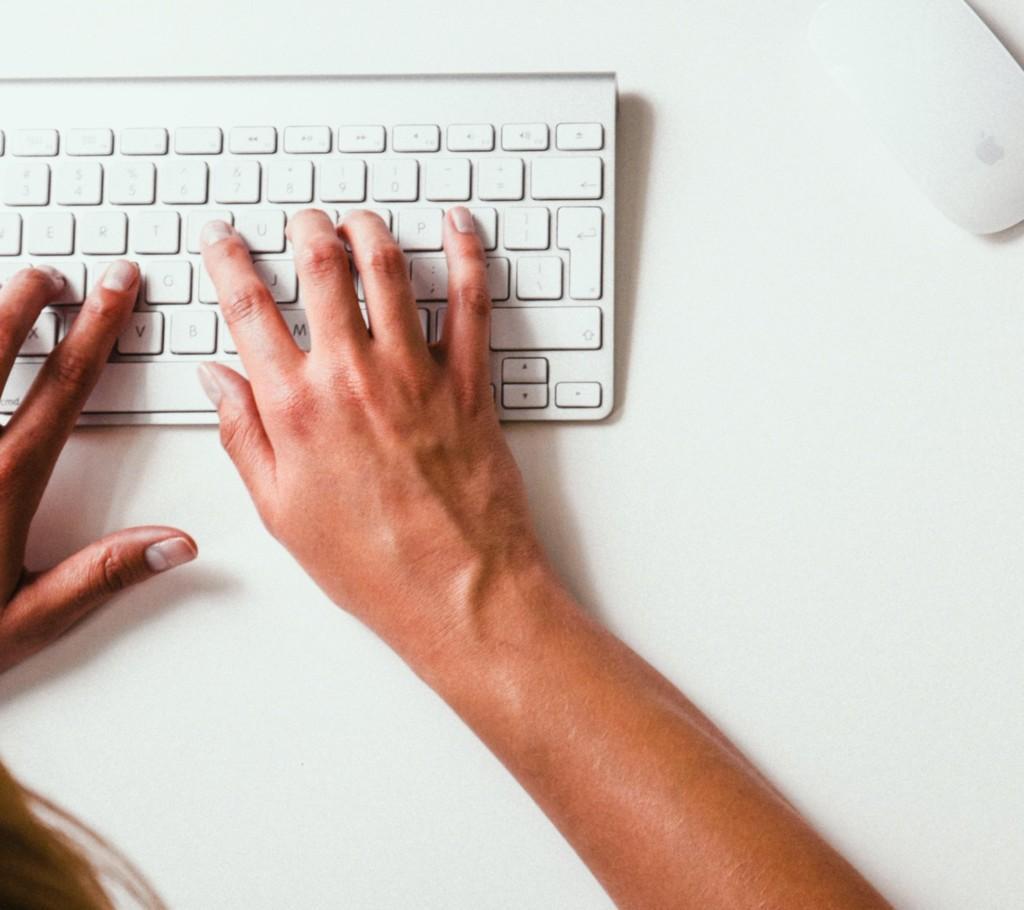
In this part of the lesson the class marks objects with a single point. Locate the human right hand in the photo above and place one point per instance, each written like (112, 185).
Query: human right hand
(377, 460)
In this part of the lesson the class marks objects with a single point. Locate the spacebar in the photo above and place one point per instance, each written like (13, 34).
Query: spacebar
(125, 388)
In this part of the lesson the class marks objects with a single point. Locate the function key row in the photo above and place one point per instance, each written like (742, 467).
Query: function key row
(304, 140)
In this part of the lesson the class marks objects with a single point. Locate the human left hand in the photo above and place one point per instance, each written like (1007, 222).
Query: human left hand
(38, 607)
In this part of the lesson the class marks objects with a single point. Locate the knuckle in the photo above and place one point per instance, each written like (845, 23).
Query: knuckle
(473, 298)
(245, 301)
(386, 261)
(107, 307)
(323, 257)
(113, 573)
(71, 368)
(234, 435)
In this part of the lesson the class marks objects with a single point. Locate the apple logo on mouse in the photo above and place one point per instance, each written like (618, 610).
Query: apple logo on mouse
(989, 151)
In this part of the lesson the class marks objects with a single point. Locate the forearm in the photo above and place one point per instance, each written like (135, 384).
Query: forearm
(661, 807)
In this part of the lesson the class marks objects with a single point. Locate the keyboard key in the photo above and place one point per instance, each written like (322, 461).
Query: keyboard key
(279, 276)
(430, 278)
(578, 395)
(524, 137)
(194, 332)
(167, 281)
(236, 181)
(103, 233)
(307, 140)
(42, 337)
(447, 180)
(500, 179)
(361, 139)
(27, 184)
(580, 231)
(10, 234)
(579, 137)
(198, 140)
(556, 328)
(471, 137)
(299, 327)
(198, 220)
(34, 143)
(89, 142)
(74, 287)
(526, 228)
(343, 180)
(156, 232)
(539, 278)
(131, 183)
(78, 183)
(565, 178)
(144, 334)
(396, 180)
(125, 388)
(253, 140)
(50, 234)
(290, 181)
(524, 369)
(184, 182)
(262, 230)
(524, 396)
(424, 137)
(144, 141)
(420, 229)
(486, 221)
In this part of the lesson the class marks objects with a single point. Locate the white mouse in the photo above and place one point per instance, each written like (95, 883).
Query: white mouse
(946, 94)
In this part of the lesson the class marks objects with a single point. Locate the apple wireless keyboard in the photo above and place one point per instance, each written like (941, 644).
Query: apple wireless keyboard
(95, 169)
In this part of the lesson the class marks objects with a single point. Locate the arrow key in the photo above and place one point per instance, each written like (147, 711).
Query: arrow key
(516, 397)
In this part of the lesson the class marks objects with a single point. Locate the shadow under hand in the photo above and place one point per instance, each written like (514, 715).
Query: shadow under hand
(544, 450)
(101, 469)
(125, 614)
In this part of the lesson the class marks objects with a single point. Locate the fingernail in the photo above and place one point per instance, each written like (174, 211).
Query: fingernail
(120, 275)
(56, 277)
(462, 219)
(215, 231)
(168, 554)
(210, 382)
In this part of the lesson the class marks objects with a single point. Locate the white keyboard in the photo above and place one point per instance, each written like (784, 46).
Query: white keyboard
(91, 170)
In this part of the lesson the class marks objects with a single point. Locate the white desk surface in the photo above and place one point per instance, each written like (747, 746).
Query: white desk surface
(808, 511)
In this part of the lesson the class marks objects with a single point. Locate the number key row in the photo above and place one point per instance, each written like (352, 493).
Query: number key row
(241, 181)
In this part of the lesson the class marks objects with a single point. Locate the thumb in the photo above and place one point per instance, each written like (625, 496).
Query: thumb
(51, 602)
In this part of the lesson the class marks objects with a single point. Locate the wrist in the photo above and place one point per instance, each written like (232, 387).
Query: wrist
(497, 616)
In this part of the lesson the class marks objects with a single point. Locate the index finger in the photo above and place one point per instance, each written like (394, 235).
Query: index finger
(259, 331)
(48, 414)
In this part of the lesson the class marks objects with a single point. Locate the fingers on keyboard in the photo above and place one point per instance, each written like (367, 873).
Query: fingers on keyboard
(385, 276)
(328, 291)
(257, 328)
(468, 327)
(56, 399)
